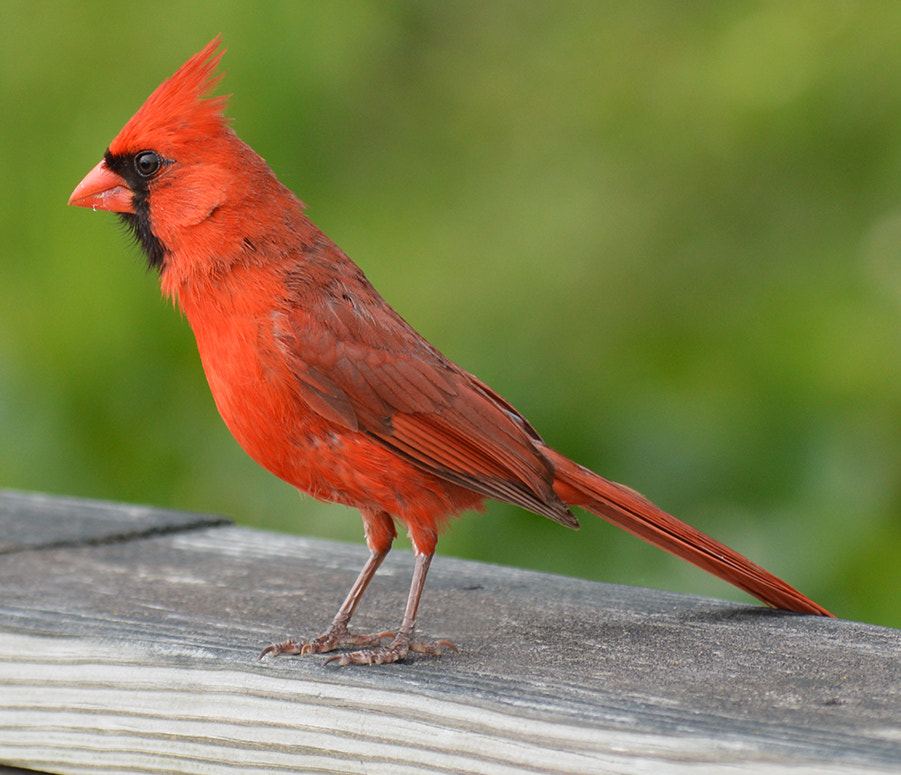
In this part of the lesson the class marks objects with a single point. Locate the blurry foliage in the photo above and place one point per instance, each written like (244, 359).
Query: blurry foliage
(669, 233)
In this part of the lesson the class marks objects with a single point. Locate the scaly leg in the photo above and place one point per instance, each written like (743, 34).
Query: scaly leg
(337, 635)
(403, 641)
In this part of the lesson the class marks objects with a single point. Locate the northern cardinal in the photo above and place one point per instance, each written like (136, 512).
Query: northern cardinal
(323, 383)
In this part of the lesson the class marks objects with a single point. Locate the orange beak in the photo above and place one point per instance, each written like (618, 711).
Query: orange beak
(103, 189)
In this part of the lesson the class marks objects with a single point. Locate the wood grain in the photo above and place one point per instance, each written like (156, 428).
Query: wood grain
(136, 651)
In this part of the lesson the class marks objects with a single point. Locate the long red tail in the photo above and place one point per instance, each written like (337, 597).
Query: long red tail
(625, 508)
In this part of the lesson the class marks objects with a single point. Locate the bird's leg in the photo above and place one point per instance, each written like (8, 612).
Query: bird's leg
(403, 641)
(337, 635)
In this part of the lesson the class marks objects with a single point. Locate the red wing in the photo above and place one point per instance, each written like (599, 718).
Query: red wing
(360, 365)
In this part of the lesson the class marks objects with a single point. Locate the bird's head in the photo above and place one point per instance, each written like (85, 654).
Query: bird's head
(168, 169)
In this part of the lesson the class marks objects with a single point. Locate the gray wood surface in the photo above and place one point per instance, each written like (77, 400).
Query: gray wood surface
(129, 640)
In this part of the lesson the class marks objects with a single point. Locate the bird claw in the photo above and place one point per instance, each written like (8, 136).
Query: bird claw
(435, 647)
(394, 652)
(334, 638)
(285, 647)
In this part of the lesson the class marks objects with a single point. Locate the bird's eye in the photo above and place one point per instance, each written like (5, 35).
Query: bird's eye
(148, 163)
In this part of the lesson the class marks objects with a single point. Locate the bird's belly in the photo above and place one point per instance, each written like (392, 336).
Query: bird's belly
(260, 403)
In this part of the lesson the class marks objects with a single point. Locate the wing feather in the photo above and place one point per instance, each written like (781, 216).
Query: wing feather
(356, 362)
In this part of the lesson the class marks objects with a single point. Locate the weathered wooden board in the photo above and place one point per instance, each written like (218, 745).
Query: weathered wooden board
(36, 521)
(135, 650)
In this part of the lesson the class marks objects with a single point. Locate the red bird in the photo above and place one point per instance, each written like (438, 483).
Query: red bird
(323, 383)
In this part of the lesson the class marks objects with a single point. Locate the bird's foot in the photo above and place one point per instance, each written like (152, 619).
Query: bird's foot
(335, 637)
(393, 652)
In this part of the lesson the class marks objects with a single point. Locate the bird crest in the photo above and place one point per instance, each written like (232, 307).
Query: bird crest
(178, 104)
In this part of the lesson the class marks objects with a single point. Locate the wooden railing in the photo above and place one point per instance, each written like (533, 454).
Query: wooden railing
(129, 639)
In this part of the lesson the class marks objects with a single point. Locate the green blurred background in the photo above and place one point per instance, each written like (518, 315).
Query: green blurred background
(669, 233)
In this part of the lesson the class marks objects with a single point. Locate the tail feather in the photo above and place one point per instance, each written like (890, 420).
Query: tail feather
(625, 508)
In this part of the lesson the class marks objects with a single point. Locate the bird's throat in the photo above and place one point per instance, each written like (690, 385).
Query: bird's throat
(138, 224)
